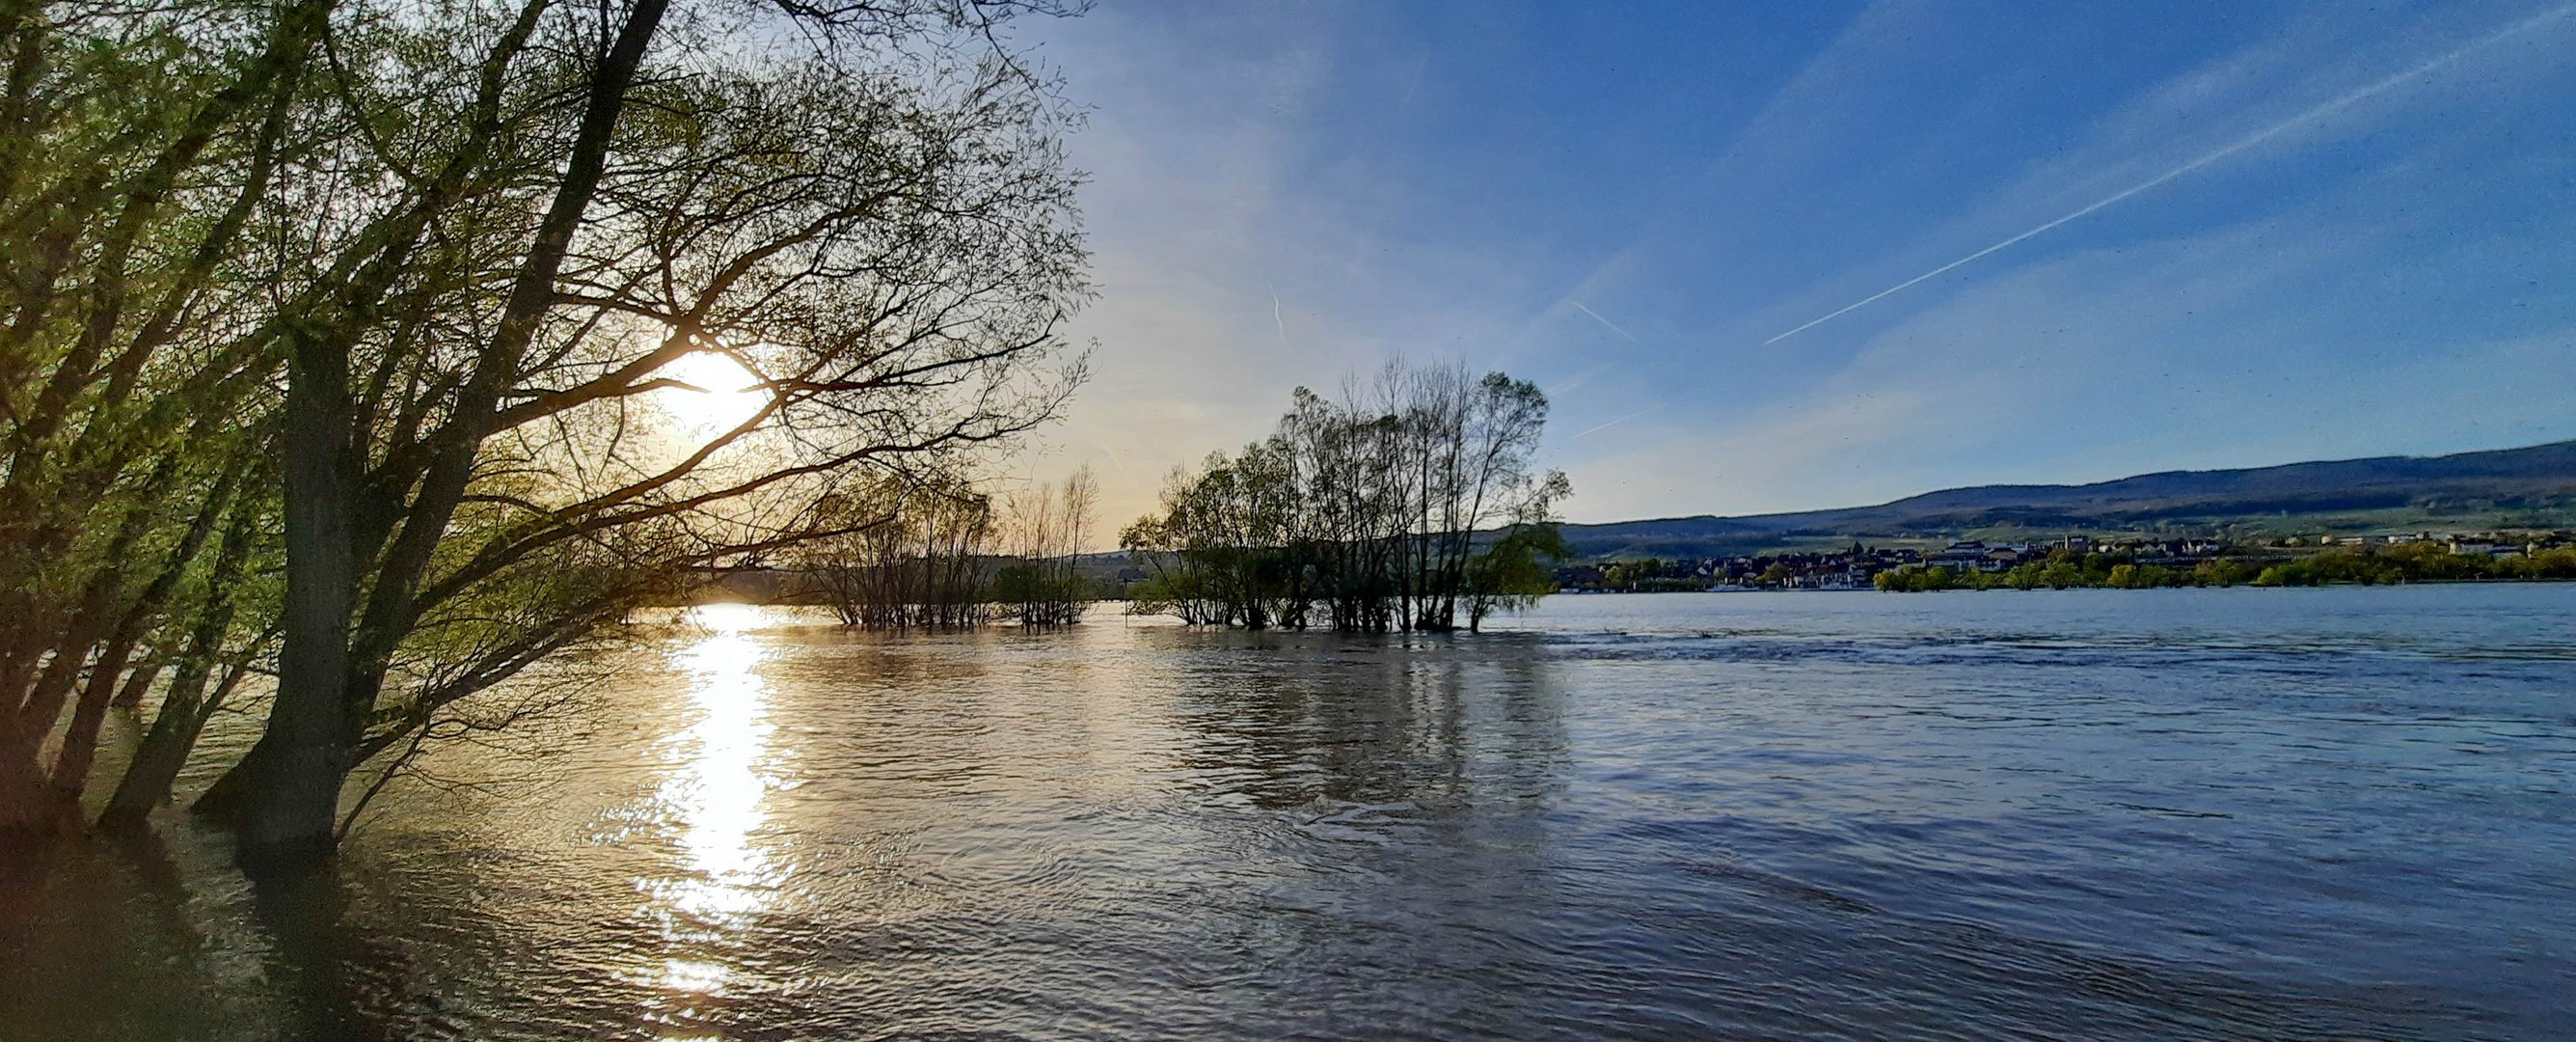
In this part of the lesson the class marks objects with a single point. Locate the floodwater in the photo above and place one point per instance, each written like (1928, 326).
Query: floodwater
(2228, 814)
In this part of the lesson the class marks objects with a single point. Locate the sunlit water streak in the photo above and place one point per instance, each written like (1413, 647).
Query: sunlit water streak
(2340, 814)
(715, 798)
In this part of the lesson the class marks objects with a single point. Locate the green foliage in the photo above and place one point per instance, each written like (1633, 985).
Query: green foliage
(2221, 572)
(1634, 576)
(1367, 512)
(2414, 563)
(1916, 579)
(1515, 570)
(439, 270)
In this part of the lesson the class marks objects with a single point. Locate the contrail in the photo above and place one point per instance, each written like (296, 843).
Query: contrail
(1618, 421)
(1407, 101)
(2241, 144)
(1568, 385)
(1596, 316)
(1276, 317)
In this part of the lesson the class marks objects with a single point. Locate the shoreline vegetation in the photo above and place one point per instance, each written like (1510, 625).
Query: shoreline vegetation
(1969, 566)
(2401, 565)
(940, 555)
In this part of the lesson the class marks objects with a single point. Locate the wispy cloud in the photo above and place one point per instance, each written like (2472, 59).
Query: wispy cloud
(1244, 152)
(2311, 116)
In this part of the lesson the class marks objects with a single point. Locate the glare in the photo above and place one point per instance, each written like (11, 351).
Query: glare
(717, 795)
(704, 978)
(727, 618)
(724, 396)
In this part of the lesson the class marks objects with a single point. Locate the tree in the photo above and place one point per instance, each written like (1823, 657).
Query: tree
(1515, 570)
(136, 146)
(1372, 508)
(487, 252)
(887, 257)
(909, 552)
(1043, 583)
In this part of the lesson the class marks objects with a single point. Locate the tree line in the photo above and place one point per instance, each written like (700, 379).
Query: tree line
(1411, 502)
(936, 553)
(340, 344)
(2417, 563)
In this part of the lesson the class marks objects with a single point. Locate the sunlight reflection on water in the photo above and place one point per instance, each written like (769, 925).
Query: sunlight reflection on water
(715, 796)
(2079, 815)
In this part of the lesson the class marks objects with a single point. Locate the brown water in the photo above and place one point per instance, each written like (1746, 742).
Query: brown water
(2080, 815)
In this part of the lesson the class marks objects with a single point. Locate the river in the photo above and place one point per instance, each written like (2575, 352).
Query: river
(2256, 814)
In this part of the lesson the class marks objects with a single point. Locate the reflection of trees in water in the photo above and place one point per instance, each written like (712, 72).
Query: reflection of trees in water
(1400, 861)
(144, 937)
(1356, 831)
(1295, 720)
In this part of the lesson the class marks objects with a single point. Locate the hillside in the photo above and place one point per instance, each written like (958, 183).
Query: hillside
(2525, 487)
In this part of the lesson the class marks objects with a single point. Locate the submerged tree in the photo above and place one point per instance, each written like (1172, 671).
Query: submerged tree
(1380, 509)
(1042, 584)
(1514, 570)
(138, 147)
(910, 554)
(886, 256)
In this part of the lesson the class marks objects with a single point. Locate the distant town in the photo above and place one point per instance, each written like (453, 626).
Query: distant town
(2071, 561)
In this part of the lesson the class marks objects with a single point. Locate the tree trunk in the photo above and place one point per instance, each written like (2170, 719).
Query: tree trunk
(163, 753)
(131, 695)
(22, 793)
(80, 741)
(227, 802)
(26, 802)
(325, 686)
(25, 735)
(164, 749)
(294, 794)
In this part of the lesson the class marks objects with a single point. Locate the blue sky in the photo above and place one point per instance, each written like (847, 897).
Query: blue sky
(2322, 232)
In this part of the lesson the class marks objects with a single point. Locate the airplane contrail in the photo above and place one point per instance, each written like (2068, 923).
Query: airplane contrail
(1616, 422)
(2241, 144)
(1275, 316)
(1596, 316)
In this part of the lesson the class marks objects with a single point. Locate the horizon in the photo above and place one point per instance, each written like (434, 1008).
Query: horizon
(2101, 481)
(585, 520)
(1769, 260)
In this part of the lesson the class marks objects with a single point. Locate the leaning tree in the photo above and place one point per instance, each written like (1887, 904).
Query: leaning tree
(411, 302)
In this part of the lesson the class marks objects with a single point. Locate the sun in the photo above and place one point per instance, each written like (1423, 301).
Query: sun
(724, 397)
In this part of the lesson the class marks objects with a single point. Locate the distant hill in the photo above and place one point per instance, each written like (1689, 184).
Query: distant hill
(2526, 487)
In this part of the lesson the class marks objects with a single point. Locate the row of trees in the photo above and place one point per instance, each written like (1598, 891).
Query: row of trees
(935, 554)
(2067, 571)
(1041, 583)
(339, 342)
(1407, 503)
(2417, 563)
(911, 555)
(2400, 564)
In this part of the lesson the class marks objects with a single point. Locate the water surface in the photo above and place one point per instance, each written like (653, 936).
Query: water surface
(2253, 814)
